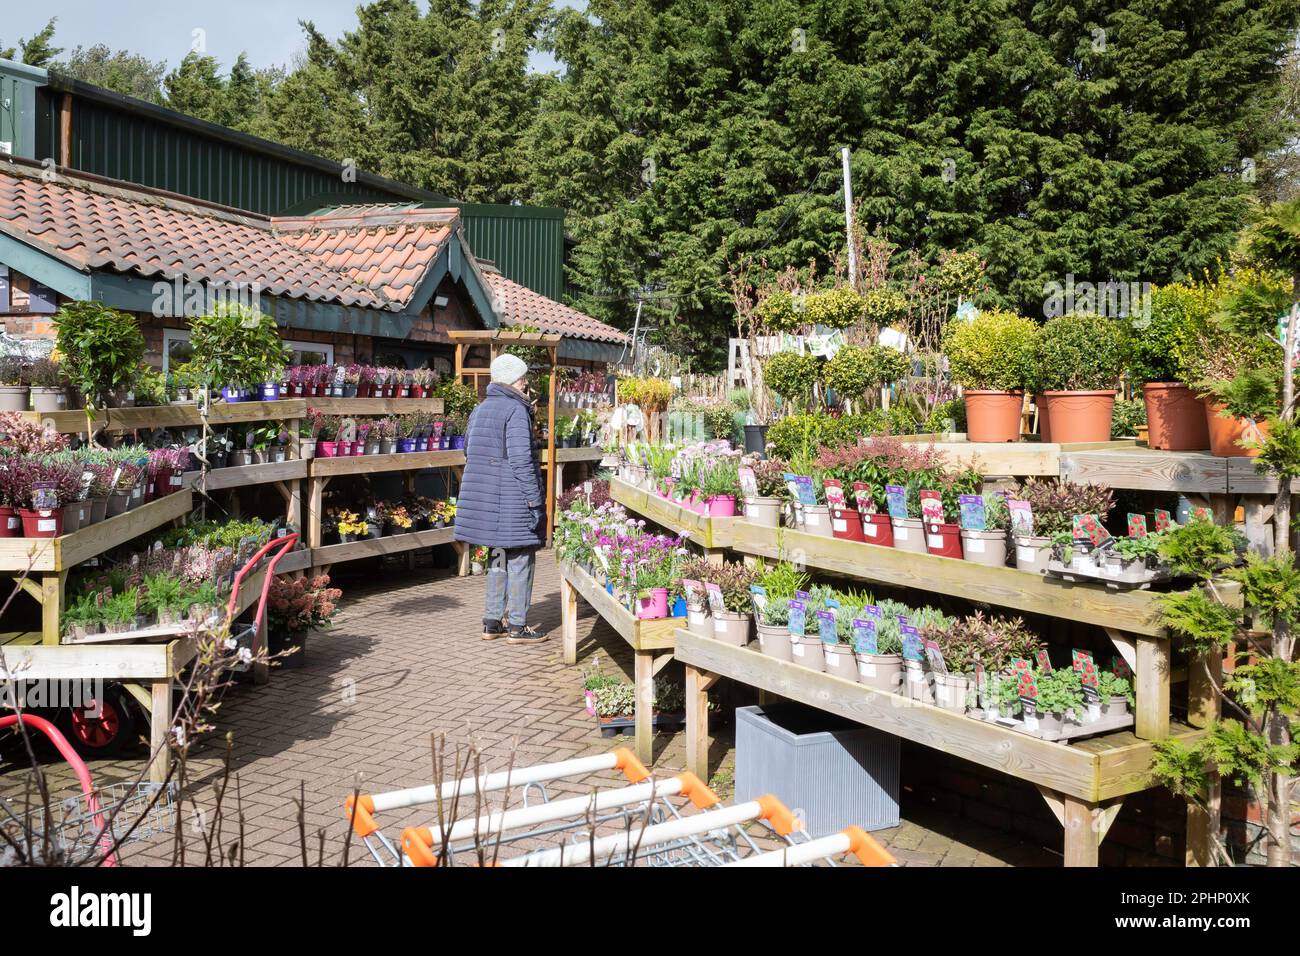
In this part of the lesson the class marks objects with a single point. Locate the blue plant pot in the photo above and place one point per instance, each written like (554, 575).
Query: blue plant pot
(232, 394)
(406, 444)
(458, 442)
(270, 391)
(422, 444)
(679, 607)
(609, 589)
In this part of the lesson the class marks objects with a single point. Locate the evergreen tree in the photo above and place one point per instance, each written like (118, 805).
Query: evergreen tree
(36, 50)
(120, 71)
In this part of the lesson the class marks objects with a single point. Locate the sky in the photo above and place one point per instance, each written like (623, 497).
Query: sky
(166, 29)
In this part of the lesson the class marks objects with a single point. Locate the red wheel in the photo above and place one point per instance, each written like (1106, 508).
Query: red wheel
(103, 730)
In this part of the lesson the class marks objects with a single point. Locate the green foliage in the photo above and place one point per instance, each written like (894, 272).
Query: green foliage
(1202, 624)
(458, 398)
(855, 370)
(236, 345)
(1280, 451)
(1271, 682)
(792, 376)
(1059, 690)
(781, 311)
(994, 350)
(1079, 352)
(1055, 503)
(1272, 587)
(1198, 548)
(1153, 340)
(835, 308)
(1112, 685)
(1127, 416)
(102, 348)
(949, 416)
(1180, 768)
(1253, 393)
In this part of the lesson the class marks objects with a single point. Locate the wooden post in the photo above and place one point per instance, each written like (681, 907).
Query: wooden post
(645, 692)
(697, 721)
(1151, 687)
(550, 459)
(569, 620)
(52, 586)
(160, 722)
(1082, 840)
(65, 131)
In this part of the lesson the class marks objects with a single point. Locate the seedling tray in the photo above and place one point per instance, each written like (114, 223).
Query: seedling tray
(1120, 579)
(1070, 731)
(626, 726)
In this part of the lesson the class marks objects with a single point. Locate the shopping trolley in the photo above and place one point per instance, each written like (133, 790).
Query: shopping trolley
(245, 635)
(674, 821)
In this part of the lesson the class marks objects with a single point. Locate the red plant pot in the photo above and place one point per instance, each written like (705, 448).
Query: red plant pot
(721, 506)
(847, 524)
(944, 540)
(11, 525)
(878, 529)
(327, 449)
(343, 449)
(417, 391)
(45, 523)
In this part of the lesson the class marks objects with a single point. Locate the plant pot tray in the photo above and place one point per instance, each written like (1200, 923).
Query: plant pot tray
(1127, 579)
(626, 726)
(1070, 731)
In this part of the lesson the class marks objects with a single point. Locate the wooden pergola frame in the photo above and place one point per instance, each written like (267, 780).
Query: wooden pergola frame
(496, 340)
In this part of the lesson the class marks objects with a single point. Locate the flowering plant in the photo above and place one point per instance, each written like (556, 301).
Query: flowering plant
(352, 523)
(20, 435)
(296, 605)
(399, 517)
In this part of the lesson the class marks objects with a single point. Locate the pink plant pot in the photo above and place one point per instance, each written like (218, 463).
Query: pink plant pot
(721, 506)
(327, 449)
(654, 606)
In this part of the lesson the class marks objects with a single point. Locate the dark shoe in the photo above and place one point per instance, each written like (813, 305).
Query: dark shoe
(526, 635)
(492, 630)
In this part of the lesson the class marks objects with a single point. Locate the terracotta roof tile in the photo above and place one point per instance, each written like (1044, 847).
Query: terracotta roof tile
(520, 305)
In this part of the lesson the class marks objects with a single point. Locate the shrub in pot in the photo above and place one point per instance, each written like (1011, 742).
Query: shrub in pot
(989, 545)
(102, 351)
(1116, 694)
(991, 357)
(1237, 410)
(13, 390)
(883, 670)
(235, 346)
(1078, 358)
(855, 371)
(773, 625)
(766, 507)
(792, 376)
(1054, 505)
(1060, 693)
(47, 386)
(1175, 416)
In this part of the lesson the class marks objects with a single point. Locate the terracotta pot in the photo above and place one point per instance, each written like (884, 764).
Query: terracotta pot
(774, 641)
(846, 523)
(909, 535)
(839, 661)
(764, 511)
(985, 547)
(881, 671)
(1226, 433)
(878, 529)
(807, 651)
(943, 540)
(732, 628)
(1080, 416)
(1033, 553)
(1175, 417)
(1044, 426)
(993, 416)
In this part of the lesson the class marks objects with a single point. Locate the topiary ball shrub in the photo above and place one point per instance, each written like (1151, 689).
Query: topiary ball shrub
(993, 351)
(1079, 352)
(792, 376)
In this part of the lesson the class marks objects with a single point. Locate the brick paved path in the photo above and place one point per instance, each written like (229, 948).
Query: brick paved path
(403, 663)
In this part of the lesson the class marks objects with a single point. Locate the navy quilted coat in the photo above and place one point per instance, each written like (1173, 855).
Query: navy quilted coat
(501, 497)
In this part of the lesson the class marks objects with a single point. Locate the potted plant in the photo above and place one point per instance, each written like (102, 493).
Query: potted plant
(991, 357)
(327, 432)
(988, 546)
(296, 607)
(719, 486)
(1078, 358)
(1116, 694)
(1238, 409)
(731, 625)
(45, 378)
(793, 376)
(237, 349)
(101, 351)
(13, 390)
(883, 670)
(772, 624)
(1004, 691)
(1175, 415)
(1053, 505)
(769, 479)
(352, 527)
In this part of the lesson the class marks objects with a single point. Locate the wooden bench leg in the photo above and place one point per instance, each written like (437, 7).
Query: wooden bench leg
(697, 721)
(1151, 687)
(645, 693)
(160, 723)
(569, 620)
(1085, 824)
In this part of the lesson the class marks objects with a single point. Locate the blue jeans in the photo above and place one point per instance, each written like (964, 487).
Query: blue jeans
(510, 584)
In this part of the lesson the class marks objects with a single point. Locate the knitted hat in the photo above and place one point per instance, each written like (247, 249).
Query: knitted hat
(508, 369)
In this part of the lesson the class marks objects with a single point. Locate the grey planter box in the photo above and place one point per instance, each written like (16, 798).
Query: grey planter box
(833, 772)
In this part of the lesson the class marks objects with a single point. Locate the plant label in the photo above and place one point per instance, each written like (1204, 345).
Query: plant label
(758, 594)
(932, 507)
(801, 595)
(716, 604)
(1089, 528)
(1044, 662)
(896, 499)
(1086, 668)
(973, 515)
(935, 657)
(826, 627)
(834, 493)
(871, 611)
(801, 489)
(797, 613)
(748, 483)
(1137, 526)
(863, 498)
(1202, 513)
(1163, 520)
(1119, 667)
(864, 636)
(1021, 515)
(913, 646)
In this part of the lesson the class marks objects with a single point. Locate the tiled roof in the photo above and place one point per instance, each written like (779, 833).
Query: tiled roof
(94, 225)
(388, 249)
(520, 305)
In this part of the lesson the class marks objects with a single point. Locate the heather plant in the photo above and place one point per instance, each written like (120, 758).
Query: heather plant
(297, 605)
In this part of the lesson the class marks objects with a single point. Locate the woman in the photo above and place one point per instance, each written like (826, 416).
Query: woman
(501, 502)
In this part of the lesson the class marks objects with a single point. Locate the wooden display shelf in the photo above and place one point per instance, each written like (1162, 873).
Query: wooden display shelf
(1185, 472)
(375, 406)
(1082, 782)
(172, 416)
(59, 554)
(377, 547)
(711, 534)
(371, 464)
(241, 475)
(564, 456)
(652, 642)
(1020, 459)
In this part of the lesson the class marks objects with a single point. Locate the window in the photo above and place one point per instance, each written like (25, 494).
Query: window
(177, 350)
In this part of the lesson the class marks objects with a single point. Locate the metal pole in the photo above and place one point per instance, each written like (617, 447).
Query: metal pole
(848, 218)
